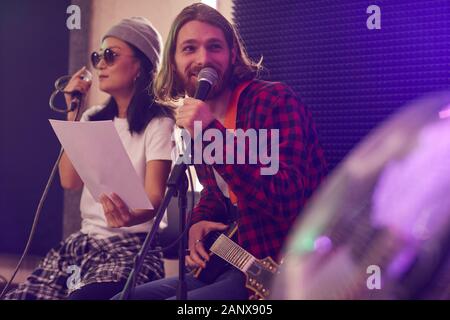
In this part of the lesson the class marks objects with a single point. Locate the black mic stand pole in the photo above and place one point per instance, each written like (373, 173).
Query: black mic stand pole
(177, 184)
(178, 180)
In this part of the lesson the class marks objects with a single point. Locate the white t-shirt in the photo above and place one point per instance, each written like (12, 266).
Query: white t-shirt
(154, 143)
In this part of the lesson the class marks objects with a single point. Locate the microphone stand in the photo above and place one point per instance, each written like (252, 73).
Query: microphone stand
(178, 180)
(177, 185)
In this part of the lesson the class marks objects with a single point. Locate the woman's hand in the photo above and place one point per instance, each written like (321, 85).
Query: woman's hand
(118, 215)
(76, 83)
(116, 211)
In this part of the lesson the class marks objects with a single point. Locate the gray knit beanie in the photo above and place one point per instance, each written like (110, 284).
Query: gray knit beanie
(139, 32)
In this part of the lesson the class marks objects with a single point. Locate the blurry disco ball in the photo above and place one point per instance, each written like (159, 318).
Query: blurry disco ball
(379, 227)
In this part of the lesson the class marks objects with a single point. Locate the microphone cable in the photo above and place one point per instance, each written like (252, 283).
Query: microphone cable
(36, 215)
(60, 85)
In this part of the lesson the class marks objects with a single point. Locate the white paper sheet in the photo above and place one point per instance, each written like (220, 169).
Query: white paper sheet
(101, 161)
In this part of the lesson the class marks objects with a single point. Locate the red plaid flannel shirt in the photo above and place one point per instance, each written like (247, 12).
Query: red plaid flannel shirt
(268, 205)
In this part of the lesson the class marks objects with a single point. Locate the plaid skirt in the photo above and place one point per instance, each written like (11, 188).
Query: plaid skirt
(81, 260)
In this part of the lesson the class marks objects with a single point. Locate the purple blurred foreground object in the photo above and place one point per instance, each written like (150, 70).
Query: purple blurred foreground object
(379, 227)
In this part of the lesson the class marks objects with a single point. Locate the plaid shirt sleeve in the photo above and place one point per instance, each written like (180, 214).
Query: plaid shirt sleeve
(300, 158)
(267, 204)
(211, 205)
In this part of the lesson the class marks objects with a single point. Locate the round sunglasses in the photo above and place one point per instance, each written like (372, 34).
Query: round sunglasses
(108, 55)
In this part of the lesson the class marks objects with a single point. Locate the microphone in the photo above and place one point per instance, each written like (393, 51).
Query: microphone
(76, 96)
(177, 182)
(207, 78)
(75, 101)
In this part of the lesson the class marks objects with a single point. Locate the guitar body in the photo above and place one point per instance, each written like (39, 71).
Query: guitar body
(216, 265)
(225, 253)
(259, 277)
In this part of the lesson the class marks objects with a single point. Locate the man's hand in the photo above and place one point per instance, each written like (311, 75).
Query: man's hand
(193, 110)
(198, 255)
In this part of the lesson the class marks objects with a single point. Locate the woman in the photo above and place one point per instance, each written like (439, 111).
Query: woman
(94, 263)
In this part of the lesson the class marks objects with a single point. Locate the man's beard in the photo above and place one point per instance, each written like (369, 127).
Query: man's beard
(190, 85)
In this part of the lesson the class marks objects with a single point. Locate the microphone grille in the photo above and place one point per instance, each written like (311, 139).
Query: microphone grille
(208, 74)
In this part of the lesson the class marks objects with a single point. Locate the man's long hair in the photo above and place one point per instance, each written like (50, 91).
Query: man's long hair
(167, 85)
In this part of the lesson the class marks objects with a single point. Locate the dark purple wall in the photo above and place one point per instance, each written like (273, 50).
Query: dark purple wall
(34, 43)
(350, 77)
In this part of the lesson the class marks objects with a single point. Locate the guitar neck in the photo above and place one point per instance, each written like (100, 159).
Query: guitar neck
(231, 252)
